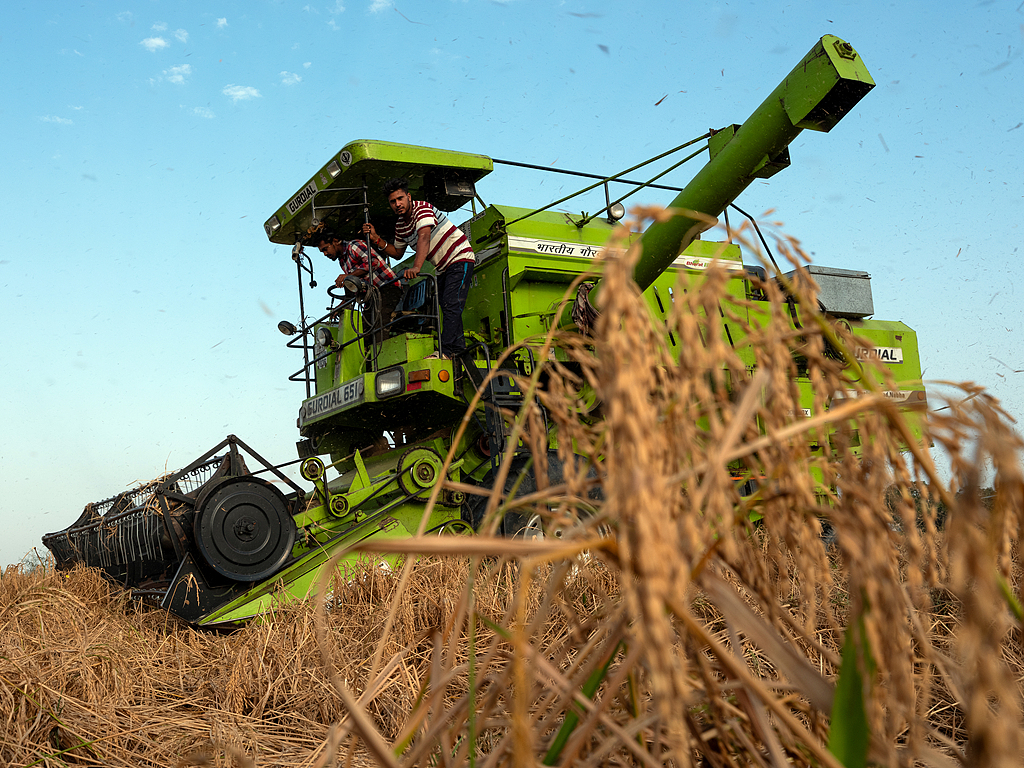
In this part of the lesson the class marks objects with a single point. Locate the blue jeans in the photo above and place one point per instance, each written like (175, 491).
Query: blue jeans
(452, 287)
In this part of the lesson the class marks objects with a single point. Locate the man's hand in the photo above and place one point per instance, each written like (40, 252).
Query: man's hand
(422, 249)
(376, 241)
(339, 282)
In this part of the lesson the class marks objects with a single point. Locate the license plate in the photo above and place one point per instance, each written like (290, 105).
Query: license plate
(338, 399)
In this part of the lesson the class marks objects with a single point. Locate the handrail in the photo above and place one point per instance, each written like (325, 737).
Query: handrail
(303, 374)
(603, 179)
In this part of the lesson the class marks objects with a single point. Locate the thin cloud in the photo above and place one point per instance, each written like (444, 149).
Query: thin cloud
(154, 44)
(178, 74)
(160, 26)
(202, 112)
(181, 35)
(290, 78)
(125, 16)
(221, 23)
(240, 92)
(380, 5)
(307, 65)
(57, 120)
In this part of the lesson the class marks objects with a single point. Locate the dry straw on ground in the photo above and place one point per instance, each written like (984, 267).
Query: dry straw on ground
(662, 627)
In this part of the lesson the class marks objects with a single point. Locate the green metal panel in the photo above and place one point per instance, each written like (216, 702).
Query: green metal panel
(404, 347)
(894, 345)
(484, 314)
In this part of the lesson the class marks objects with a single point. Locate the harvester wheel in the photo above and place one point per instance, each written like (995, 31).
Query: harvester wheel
(244, 530)
(524, 522)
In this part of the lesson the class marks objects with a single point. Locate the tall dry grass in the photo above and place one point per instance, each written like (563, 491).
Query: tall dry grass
(662, 627)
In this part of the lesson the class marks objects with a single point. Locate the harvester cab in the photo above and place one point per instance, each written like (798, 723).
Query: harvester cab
(217, 544)
(371, 386)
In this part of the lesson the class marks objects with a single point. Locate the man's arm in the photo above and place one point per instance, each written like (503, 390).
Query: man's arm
(422, 249)
(339, 281)
(355, 261)
(380, 243)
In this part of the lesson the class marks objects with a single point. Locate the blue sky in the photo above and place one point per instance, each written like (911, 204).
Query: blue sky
(144, 144)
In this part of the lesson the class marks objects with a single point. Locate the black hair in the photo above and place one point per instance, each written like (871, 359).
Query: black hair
(321, 238)
(393, 185)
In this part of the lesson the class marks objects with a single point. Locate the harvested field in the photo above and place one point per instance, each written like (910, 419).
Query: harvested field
(673, 623)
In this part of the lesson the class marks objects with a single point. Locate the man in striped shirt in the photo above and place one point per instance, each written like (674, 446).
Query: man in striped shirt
(435, 239)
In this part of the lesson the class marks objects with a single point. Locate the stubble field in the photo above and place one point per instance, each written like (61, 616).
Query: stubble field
(870, 617)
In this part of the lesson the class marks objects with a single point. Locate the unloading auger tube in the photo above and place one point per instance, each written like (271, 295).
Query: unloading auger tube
(817, 94)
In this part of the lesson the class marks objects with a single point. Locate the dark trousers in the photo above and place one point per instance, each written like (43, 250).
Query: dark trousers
(452, 288)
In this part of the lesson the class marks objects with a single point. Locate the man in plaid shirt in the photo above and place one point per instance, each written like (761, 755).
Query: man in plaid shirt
(356, 259)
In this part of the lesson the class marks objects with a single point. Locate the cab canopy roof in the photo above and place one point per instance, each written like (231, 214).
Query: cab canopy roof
(351, 185)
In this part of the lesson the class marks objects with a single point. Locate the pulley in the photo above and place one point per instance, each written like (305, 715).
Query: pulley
(244, 529)
(418, 470)
(312, 469)
(338, 505)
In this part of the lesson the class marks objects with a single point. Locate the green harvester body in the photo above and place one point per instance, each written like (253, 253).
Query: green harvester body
(383, 414)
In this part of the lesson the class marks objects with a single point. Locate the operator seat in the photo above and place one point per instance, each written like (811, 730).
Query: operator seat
(417, 311)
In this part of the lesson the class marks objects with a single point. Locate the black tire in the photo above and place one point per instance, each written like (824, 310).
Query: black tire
(521, 481)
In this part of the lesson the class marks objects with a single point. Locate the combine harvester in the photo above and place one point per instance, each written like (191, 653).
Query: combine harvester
(219, 542)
